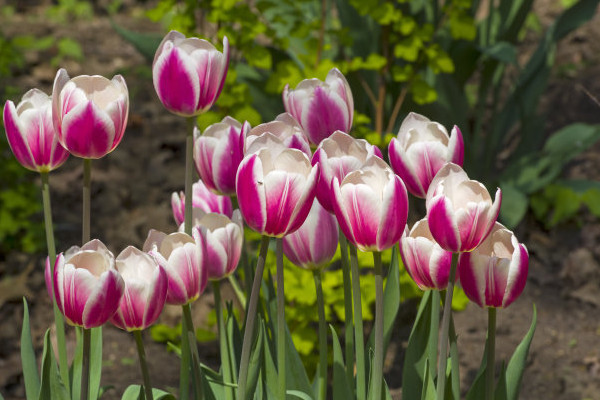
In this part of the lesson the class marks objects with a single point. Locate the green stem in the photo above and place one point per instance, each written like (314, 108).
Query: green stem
(358, 326)
(378, 358)
(239, 293)
(85, 375)
(441, 375)
(251, 318)
(87, 196)
(280, 322)
(491, 355)
(223, 343)
(58, 319)
(184, 372)
(434, 331)
(322, 336)
(348, 325)
(191, 338)
(143, 365)
(189, 175)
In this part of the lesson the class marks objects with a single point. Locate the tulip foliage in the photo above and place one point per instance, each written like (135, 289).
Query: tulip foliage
(307, 187)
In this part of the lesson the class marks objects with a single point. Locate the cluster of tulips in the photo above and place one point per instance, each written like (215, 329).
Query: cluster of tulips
(285, 190)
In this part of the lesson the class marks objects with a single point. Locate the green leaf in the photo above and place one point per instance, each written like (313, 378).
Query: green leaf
(77, 365)
(415, 360)
(135, 392)
(516, 365)
(502, 51)
(592, 199)
(514, 205)
(341, 386)
(477, 389)
(256, 358)
(299, 394)
(28, 360)
(500, 392)
(95, 362)
(145, 43)
(51, 386)
(428, 392)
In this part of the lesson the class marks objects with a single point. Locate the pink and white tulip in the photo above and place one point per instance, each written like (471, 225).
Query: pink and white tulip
(182, 258)
(218, 153)
(460, 211)
(145, 290)
(285, 128)
(275, 190)
(371, 206)
(426, 262)
(495, 273)
(30, 132)
(222, 240)
(202, 200)
(421, 149)
(314, 244)
(339, 155)
(89, 113)
(87, 287)
(189, 73)
(320, 107)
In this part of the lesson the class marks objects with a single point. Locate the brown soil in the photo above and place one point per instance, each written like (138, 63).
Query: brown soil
(131, 194)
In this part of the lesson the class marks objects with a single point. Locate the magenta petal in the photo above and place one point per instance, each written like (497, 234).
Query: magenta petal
(325, 114)
(442, 225)
(456, 146)
(87, 131)
(394, 214)
(399, 163)
(516, 281)
(176, 81)
(472, 282)
(104, 300)
(251, 193)
(16, 138)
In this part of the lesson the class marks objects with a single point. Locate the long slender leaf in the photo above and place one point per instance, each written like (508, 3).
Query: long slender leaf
(28, 361)
(256, 359)
(135, 392)
(77, 365)
(95, 362)
(341, 387)
(52, 386)
(516, 365)
(428, 390)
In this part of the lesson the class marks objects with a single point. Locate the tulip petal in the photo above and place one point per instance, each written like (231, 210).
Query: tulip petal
(442, 224)
(87, 131)
(251, 192)
(104, 300)
(326, 113)
(394, 213)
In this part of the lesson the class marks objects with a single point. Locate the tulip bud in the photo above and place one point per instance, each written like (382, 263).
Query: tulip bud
(218, 153)
(339, 155)
(495, 273)
(460, 211)
(189, 73)
(421, 149)
(371, 206)
(87, 286)
(203, 200)
(145, 290)
(182, 259)
(314, 244)
(30, 132)
(89, 113)
(275, 190)
(320, 107)
(285, 128)
(426, 262)
(222, 240)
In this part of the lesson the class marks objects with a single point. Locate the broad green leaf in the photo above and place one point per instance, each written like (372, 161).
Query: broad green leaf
(514, 205)
(428, 390)
(212, 383)
(502, 51)
(592, 199)
(516, 365)
(52, 386)
(28, 360)
(299, 394)
(500, 393)
(341, 387)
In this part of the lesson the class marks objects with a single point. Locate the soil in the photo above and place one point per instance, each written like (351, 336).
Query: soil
(131, 193)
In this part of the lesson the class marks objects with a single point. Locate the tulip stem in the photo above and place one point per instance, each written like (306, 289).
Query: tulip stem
(137, 334)
(348, 325)
(280, 322)
(491, 355)
(322, 337)
(251, 318)
(226, 365)
(441, 375)
(189, 175)
(358, 326)
(378, 358)
(58, 319)
(85, 375)
(239, 293)
(190, 336)
(434, 331)
(184, 372)
(87, 196)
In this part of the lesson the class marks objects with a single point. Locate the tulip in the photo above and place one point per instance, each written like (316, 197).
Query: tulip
(222, 240)
(285, 128)
(371, 206)
(218, 153)
(275, 189)
(30, 132)
(421, 150)
(87, 286)
(189, 73)
(339, 155)
(202, 200)
(145, 290)
(314, 244)
(182, 259)
(89, 113)
(320, 107)
(426, 262)
(460, 212)
(495, 273)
